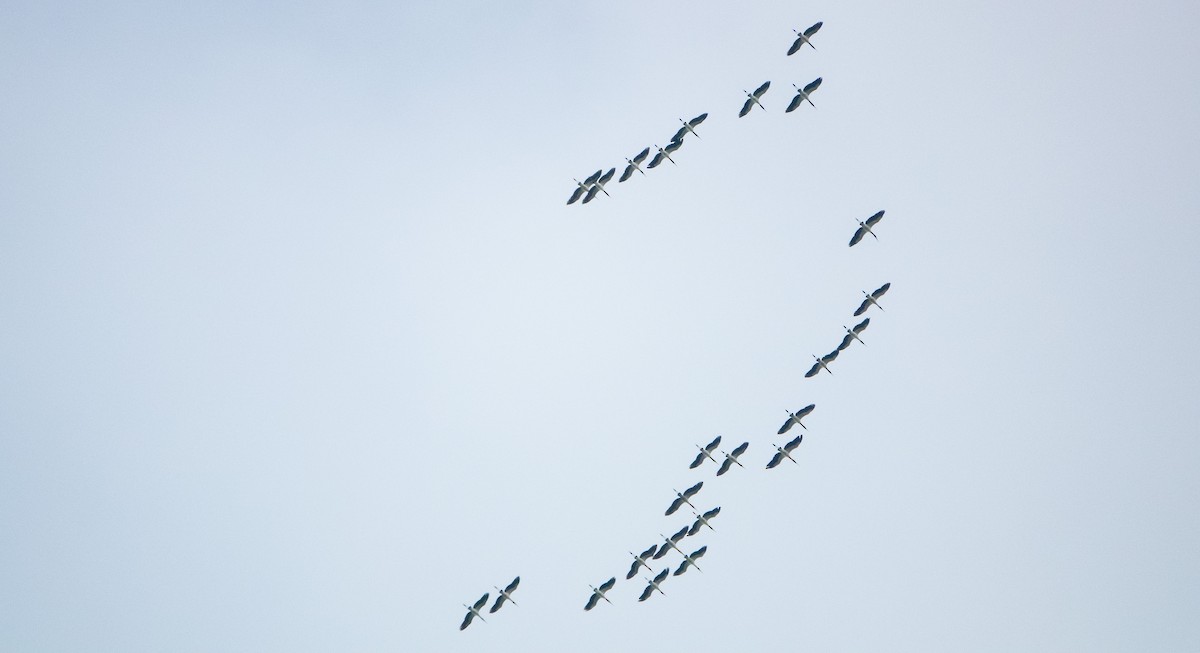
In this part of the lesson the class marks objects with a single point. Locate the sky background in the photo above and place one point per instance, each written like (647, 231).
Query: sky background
(300, 348)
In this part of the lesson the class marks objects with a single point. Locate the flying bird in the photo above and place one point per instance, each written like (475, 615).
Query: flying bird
(802, 95)
(822, 364)
(691, 560)
(670, 543)
(732, 458)
(506, 593)
(689, 127)
(599, 185)
(753, 99)
(852, 334)
(654, 584)
(803, 37)
(871, 299)
(682, 498)
(705, 452)
(785, 452)
(633, 165)
(864, 228)
(702, 521)
(599, 593)
(794, 418)
(473, 611)
(584, 186)
(665, 154)
(641, 560)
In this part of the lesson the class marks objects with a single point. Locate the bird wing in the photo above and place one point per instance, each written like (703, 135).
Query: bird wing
(512, 587)
(646, 593)
(682, 533)
(693, 490)
(662, 553)
(682, 566)
(698, 119)
(830, 357)
(608, 176)
(658, 158)
(695, 528)
(796, 46)
(806, 410)
(662, 575)
(778, 458)
(699, 553)
(575, 196)
(593, 177)
(858, 235)
(679, 134)
(674, 506)
(814, 29)
(725, 465)
(482, 601)
(591, 194)
(881, 290)
(497, 604)
(633, 569)
(712, 513)
(467, 620)
(812, 86)
(873, 220)
(699, 459)
(862, 307)
(714, 444)
(741, 449)
(592, 601)
(846, 340)
(861, 326)
(642, 156)
(624, 175)
(672, 146)
(746, 108)
(788, 424)
(795, 103)
(758, 92)
(794, 443)
(811, 373)
(649, 552)
(608, 584)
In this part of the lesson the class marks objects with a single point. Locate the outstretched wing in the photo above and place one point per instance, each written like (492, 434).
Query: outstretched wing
(699, 459)
(873, 220)
(642, 155)
(591, 194)
(814, 29)
(699, 553)
(512, 587)
(683, 566)
(672, 146)
(608, 176)
(649, 552)
(690, 492)
(608, 584)
(482, 601)
(467, 620)
(830, 357)
(846, 340)
(741, 449)
(592, 601)
(662, 553)
(679, 134)
(806, 410)
(646, 593)
(858, 235)
(698, 119)
(497, 604)
(712, 513)
(746, 108)
(695, 528)
(758, 92)
(674, 506)
(861, 326)
(812, 372)
(795, 103)
(633, 569)
(725, 466)
(775, 460)
(796, 46)
(789, 447)
(576, 195)
(680, 534)
(812, 86)
(658, 158)
(593, 177)
(881, 290)
(714, 444)
(625, 175)
(788, 424)
(862, 308)
(662, 575)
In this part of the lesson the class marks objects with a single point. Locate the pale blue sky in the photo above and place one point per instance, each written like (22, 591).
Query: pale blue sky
(300, 349)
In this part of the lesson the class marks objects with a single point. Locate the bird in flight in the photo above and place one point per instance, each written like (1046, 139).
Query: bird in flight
(753, 99)
(802, 95)
(682, 498)
(505, 594)
(822, 364)
(803, 37)
(864, 228)
(702, 521)
(705, 452)
(689, 127)
(852, 334)
(794, 418)
(599, 185)
(691, 560)
(665, 154)
(731, 459)
(641, 560)
(599, 593)
(633, 165)
(871, 299)
(654, 584)
(785, 452)
(473, 611)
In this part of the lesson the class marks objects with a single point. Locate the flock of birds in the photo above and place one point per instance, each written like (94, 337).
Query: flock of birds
(588, 190)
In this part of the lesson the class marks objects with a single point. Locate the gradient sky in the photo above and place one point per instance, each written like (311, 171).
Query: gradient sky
(300, 348)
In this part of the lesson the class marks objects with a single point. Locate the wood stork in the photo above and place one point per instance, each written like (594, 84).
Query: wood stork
(691, 560)
(634, 165)
(803, 94)
(682, 498)
(505, 593)
(731, 459)
(803, 37)
(584, 186)
(705, 452)
(852, 334)
(753, 99)
(599, 185)
(599, 593)
(473, 611)
(665, 154)
(822, 364)
(689, 127)
(785, 451)
(641, 560)
(794, 418)
(670, 543)
(702, 521)
(871, 299)
(864, 228)
(654, 584)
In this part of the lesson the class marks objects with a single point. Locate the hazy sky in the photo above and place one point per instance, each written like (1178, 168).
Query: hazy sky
(300, 348)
